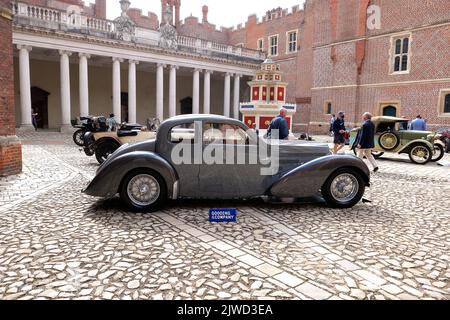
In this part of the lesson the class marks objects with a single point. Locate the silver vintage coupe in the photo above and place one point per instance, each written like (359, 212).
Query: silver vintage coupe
(214, 157)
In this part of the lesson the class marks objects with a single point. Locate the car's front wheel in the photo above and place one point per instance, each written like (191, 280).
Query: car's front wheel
(439, 153)
(78, 137)
(420, 154)
(344, 188)
(144, 191)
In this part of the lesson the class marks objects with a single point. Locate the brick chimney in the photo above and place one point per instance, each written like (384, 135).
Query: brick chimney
(205, 10)
(100, 9)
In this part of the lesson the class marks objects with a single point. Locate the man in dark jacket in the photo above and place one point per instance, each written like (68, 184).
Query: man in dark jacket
(365, 142)
(280, 124)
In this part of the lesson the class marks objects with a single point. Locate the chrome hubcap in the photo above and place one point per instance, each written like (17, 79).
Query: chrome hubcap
(344, 187)
(420, 154)
(143, 190)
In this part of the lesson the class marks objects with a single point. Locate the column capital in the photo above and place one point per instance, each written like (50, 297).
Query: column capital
(173, 66)
(133, 61)
(198, 70)
(114, 59)
(64, 52)
(228, 74)
(85, 55)
(209, 71)
(24, 47)
(238, 75)
(161, 65)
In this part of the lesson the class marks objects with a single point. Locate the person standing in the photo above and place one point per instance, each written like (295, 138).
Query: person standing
(332, 120)
(34, 116)
(280, 124)
(111, 123)
(339, 132)
(365, 142)
(419, 124)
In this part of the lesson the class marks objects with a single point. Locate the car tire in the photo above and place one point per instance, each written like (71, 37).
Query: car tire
(389, 141)
(104, 149)
(447, 145)
(420, 151)
(438, 154)
(78, 138)
(338, 198)
(140, 184)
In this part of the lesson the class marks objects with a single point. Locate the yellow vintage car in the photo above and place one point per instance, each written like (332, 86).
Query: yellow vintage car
(104, 144)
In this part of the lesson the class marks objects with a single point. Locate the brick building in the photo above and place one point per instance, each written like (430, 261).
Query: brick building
(10, 148)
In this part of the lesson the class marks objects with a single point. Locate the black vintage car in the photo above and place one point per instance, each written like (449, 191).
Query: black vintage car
(87, 124)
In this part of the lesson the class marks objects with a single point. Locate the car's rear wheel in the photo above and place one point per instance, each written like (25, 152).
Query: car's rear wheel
(105, 149)
(344, 188)
(438, 153)
(144, 191)
(420, 154)
(78, 137)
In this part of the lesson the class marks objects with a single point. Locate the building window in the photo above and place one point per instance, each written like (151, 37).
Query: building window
(447, 103)
(273, 45)
(291, 45)
(444, 102)
(328, 108)
(401, 54)
(260, 44)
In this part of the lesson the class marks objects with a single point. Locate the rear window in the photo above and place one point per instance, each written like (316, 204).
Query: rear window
(182, 133)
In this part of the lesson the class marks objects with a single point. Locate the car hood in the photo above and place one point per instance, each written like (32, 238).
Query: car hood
(294, 153)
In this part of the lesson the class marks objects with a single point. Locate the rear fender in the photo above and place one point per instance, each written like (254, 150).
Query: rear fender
(109, 178)
(307, 180)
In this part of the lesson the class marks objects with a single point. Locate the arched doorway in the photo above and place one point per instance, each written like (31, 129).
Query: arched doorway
(39, 106)
(186, 105)
(390, 111)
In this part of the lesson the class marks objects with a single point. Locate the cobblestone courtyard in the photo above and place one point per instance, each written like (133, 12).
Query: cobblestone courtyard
(57, 243)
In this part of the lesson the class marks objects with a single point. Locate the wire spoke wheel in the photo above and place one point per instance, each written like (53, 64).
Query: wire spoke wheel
(344, 187)
(420, 154)
(143, 190)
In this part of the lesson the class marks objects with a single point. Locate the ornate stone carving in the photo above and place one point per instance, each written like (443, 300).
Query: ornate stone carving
(169, 35)
(125, 27)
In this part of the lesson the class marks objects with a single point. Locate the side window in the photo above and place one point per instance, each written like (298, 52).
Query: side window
(222, 133)
(401, 55)
(182, 133)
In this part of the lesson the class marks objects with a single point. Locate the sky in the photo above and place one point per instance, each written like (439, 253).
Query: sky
(226, 13)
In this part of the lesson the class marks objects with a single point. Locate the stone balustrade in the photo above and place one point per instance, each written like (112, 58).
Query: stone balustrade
(31, 15)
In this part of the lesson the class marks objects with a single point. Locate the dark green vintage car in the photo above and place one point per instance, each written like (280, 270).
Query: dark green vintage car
(392, 135)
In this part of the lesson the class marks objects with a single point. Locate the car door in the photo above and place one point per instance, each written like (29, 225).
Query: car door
(180, 151)
(227, 171)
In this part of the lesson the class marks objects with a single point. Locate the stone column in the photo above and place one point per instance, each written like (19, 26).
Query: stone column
(226, 95)
(236, 93)
(116, 88)
(84, 84)
(160, 91)
(65, 89)
(25, 86)
(207, 92)
(196, 92)
(173, 91)
(132, 108)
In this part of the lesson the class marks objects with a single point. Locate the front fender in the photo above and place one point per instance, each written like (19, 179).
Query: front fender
(407, 148)
(108, 180)
(307, 180)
